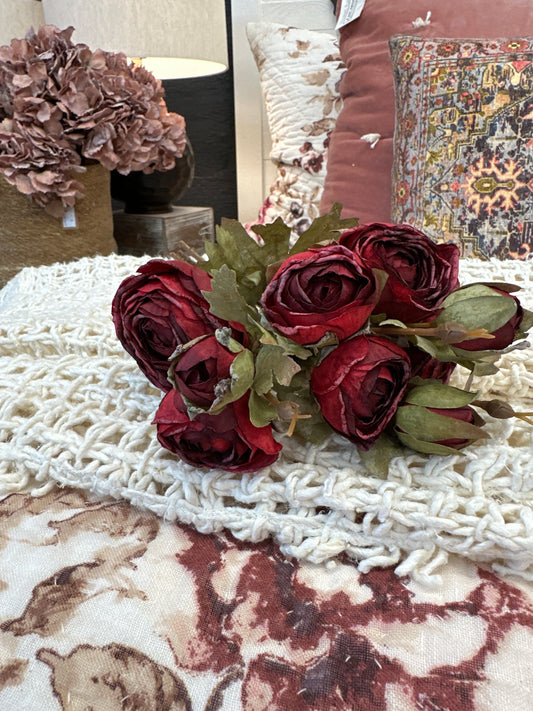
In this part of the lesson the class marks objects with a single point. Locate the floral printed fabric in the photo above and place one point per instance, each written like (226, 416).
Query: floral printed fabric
(107, 607)
(463, 156)
(300, 71)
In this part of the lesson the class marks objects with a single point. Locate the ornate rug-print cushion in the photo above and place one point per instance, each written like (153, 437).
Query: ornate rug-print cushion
(463, 144)
(110, 608)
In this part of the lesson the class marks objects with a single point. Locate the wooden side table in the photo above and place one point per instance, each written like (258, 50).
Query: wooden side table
(159, 234)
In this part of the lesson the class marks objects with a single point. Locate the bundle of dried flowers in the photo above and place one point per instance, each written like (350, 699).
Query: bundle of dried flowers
(63, 105)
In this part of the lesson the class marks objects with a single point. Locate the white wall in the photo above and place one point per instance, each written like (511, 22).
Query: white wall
(16, 18)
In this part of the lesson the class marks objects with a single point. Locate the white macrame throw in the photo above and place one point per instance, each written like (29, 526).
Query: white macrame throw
(75, 410)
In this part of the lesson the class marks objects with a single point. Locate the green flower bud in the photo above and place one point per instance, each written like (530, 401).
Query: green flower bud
(438, 419)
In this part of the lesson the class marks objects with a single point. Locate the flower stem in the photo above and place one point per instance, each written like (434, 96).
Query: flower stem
(287, 411)
(502, 410)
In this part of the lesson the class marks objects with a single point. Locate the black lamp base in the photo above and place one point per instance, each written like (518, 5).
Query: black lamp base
(152, 193)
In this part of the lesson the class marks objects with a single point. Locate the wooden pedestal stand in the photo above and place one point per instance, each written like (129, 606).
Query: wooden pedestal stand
(159, 234)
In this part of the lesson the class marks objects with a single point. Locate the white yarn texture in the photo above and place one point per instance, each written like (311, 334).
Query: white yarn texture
(75, 410)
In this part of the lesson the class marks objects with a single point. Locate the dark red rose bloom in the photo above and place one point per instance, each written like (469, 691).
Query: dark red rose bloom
(421, 273)
(159, 308)
(425, 366)
(320, 290)
(226, 441)
(359, 386)
(503, 336)
(200, 368)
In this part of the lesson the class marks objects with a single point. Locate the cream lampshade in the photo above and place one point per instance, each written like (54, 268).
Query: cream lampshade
(173, 38)
(16, 18)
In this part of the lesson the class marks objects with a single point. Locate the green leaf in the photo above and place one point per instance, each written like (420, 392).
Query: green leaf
(482, 362)
(434, 394)
(264, 377)
(253, 280)
(227, 252)
(327, 340)
(276, 238)
(323, 228)
(393, 322)
(300, 390)
(271, 337)
(261, 411)
(477, 306)
(314, 429)
(435, 348)
(242, 375)
(215, 256)
(377, 459)
(527, 321)
(192, 409)
(467, 291)
(501, 285)
(273, 364)
(236, 249)
(226, 301)
(238, 245)
(382, 278)
(247, 258)
(484, 368)
(425, 447)
(377, 319)
(223, 336)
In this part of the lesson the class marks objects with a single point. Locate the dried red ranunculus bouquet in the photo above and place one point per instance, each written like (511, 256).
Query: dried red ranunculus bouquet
(62, 105)
(354, 330)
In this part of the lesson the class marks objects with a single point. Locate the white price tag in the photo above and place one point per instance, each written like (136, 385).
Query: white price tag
(350, 10)
(69, 218)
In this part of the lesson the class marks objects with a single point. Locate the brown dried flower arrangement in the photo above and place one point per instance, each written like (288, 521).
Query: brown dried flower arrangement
(63, 106)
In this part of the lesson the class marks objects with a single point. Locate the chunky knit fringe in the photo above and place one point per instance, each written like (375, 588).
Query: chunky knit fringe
(76, 411)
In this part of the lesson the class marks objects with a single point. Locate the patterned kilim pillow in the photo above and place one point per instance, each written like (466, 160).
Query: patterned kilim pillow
(463, 144)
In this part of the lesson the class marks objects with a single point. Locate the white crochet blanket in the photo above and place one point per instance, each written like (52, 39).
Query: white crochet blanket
(75, 410)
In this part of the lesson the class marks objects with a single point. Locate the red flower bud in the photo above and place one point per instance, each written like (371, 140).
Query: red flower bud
(502, 337)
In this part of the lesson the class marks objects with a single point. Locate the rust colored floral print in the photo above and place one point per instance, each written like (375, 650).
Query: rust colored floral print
(107, 607)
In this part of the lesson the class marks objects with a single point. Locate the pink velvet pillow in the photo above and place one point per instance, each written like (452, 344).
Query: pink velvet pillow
(359, 175)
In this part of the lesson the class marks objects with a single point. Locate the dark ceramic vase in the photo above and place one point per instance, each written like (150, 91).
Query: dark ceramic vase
(147, 193)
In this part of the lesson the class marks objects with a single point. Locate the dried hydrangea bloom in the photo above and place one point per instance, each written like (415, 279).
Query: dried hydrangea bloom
(40, 165)
(65, 105)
